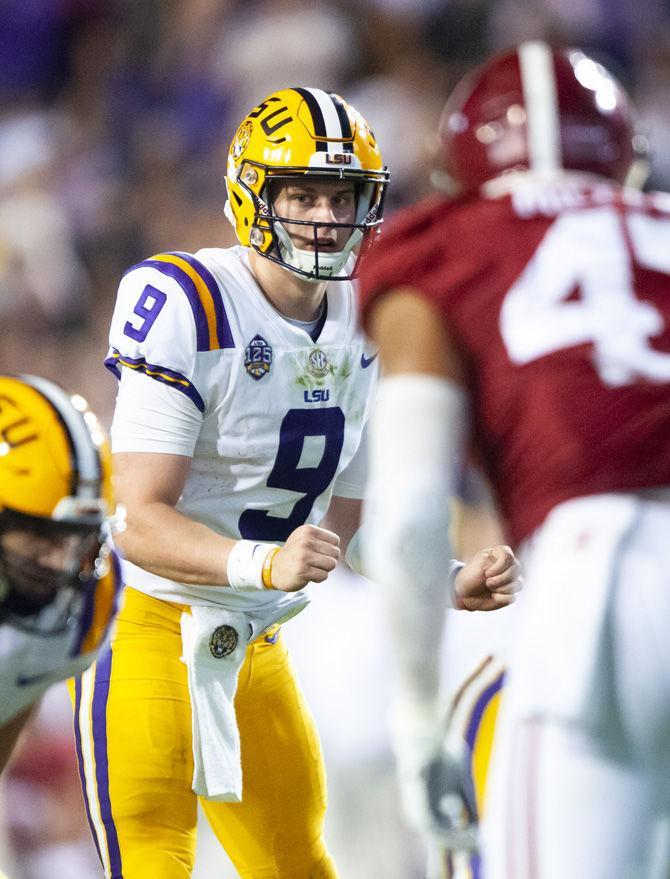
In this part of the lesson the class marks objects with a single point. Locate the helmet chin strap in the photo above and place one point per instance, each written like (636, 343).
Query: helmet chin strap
(329, 265)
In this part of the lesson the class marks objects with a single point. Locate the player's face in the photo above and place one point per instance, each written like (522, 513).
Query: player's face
(317, 202)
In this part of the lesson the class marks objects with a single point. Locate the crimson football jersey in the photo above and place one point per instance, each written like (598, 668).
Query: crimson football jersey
(558, 296)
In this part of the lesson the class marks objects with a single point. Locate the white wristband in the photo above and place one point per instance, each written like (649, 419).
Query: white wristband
(245, 564)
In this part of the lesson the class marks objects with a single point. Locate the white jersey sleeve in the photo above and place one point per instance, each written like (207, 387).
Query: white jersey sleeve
(151, 417)
(168, 310)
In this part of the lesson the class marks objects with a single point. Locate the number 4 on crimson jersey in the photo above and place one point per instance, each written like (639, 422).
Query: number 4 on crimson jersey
(564, 315)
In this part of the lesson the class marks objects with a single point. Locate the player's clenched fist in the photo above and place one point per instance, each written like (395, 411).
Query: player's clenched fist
(309, 555)
(489, 581)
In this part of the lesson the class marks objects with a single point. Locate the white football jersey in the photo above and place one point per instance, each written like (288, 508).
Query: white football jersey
(280, 416)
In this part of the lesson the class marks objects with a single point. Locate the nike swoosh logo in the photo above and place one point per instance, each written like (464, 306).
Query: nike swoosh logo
(366, 361)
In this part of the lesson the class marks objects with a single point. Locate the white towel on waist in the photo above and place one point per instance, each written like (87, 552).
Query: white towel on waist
(214, 642)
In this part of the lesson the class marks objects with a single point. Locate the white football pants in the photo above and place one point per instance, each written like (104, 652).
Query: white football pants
(582, 794)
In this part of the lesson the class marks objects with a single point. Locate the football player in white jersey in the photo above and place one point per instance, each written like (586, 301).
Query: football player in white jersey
(245, 386)
(58, 577)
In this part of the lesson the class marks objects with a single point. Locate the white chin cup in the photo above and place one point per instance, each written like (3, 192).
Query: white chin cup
(329, 264)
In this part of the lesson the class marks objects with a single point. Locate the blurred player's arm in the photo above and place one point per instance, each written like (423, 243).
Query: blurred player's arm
(417, 429)
(418, 433)
(344, 517)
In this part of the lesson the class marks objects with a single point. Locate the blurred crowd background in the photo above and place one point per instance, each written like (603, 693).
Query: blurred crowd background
(115, 120)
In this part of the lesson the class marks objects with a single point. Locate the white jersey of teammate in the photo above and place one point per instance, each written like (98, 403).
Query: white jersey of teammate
(272, 419)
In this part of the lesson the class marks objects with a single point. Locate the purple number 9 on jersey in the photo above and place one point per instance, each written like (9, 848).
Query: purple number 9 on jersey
(148, 308)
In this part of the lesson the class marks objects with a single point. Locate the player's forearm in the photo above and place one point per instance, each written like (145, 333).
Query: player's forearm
(163, 541)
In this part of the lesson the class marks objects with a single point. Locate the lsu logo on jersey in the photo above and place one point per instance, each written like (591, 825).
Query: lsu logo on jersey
(316, 395)
(258, 358)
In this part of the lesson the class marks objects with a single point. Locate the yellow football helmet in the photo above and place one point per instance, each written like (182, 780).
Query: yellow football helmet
(293, 133)
(55, 498)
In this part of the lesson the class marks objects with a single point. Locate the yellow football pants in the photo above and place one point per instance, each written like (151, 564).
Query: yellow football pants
(133, 736)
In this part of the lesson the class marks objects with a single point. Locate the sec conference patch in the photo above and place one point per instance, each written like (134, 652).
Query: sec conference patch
(317, 363)
(257, 358)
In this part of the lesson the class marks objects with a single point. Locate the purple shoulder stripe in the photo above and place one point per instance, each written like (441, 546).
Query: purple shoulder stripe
(189, 288)
(223, 332)
(224, 335)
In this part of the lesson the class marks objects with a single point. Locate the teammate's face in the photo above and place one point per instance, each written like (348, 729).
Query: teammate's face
(37, 565)
(317, 202)
(53, 551)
